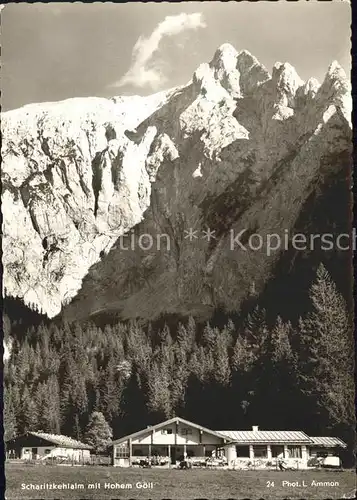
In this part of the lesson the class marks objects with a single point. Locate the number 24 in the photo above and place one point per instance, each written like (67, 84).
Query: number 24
(270, 484)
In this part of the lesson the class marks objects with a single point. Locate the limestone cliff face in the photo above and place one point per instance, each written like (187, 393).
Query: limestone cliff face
(234, 148)
(72, 183)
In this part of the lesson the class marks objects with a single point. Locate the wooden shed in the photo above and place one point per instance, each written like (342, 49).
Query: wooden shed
(43, 446)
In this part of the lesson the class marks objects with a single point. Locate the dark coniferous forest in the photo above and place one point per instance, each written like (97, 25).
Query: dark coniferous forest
(247, 370)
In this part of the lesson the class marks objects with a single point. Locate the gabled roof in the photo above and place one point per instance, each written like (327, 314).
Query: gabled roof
(245, 437)
(266, 436)
(327, 441)
(60, 440)
(168, 422)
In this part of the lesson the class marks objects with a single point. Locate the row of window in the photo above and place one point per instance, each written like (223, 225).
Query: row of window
(122, 451)
(35, 450)
(261, 451)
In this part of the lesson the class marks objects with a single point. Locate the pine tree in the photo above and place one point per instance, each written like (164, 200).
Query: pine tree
(159, 390)
(77, 431)
(280, 342)
(242, 364)
(243, 357)
(180, 370)
(256, 330)
(9, 416)
(186, 336)
(222, 370)
(181, 339)
(326, 363)
(98, 433)
(74, 401)
(112, 385)
(278, 385)
(28, 416)
(209, 336)
(134, 410)
(48, 405)
(198, 363)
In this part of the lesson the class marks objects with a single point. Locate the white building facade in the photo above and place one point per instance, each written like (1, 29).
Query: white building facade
(170, 442)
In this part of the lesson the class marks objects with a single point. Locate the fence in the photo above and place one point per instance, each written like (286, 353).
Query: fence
(98, 460)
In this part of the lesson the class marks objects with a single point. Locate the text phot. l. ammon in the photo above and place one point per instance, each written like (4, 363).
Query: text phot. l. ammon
(177, 241)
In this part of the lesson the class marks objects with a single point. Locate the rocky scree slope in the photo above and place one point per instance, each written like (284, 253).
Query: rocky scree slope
(236, 148)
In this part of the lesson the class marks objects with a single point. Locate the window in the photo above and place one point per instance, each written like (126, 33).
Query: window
(166, 431)
(47, 451)
(242, 451)
(260, 452)
(122, 451)
(209, 450)
(277, 450)
(186, 431)
(294, 451)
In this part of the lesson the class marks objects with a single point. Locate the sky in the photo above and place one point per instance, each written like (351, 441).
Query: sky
(56, 51)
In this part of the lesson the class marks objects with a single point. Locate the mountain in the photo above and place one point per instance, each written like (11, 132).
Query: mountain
(99, 194)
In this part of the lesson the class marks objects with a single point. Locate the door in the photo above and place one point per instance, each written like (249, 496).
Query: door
(173, 455)
(34, 453)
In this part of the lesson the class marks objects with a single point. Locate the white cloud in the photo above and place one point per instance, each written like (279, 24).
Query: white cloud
(145, 70)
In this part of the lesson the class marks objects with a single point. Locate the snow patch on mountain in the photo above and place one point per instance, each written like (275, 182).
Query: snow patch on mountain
(197, 172)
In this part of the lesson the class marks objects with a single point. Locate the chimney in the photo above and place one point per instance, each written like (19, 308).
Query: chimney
(255, 428)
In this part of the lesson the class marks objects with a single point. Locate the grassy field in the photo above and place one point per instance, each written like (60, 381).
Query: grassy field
(175, 484)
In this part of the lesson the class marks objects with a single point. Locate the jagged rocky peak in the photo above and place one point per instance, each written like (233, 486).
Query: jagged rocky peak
(225, 58)
(286, 79)
(336, 81)
(239, 73)
(252, 72)
(306, 93)
(224, 64)
(310, 87)
(336, 90)
(283, 86)
(245, 61)
(336, 72)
